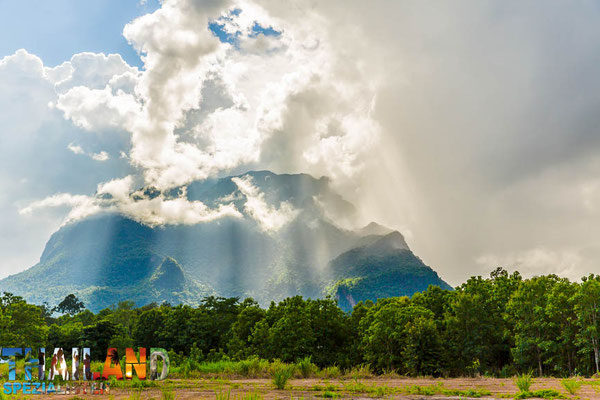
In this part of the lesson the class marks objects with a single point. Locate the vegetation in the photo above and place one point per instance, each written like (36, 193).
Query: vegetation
(571, 385)
(281, 375)
(545, 324)
(523, 382)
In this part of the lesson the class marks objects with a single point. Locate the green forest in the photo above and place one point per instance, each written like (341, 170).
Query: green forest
(497, 326)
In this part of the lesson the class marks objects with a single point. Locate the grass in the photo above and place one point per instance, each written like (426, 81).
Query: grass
(330, 395)
(571, 385)
(524, 382)
(168, 394)
(281, 375)
(360, 371)
(306, 367)
(137, 395)
(331, 372)
(540, 394)
(221, 395)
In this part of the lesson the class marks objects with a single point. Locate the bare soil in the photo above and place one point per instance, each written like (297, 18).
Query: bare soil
(317, 388)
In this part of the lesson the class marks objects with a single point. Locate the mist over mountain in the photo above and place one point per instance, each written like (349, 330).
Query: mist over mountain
(284, 242)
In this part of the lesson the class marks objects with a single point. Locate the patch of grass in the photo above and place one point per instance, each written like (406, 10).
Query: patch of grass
(253, 367)
(541, 394)
(330, 395)
(439, 389)
(571, 385)
(421, 390)
(168, 394)
(306, 367)
(137, 395)
(331, 372)
(360, 371)
(221, 395)
(524, 382)
(281, 375)
(251, 396)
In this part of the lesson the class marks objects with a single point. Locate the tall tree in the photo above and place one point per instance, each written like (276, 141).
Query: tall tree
(587, 308)
(70, 305)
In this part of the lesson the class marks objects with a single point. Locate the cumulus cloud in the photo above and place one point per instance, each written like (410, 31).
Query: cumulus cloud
(471, 125)
(102, 156)
(286, 94)
(268, 217)
(118, 196)
(76, 149)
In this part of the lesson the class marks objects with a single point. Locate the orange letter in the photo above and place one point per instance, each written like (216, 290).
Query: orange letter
(131, 361)
(109, 369)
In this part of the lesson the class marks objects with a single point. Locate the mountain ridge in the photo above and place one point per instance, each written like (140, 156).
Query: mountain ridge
(109, 257)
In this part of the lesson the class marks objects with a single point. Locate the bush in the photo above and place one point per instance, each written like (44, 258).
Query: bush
(252, 367)
(360, 371)
(281, 375)
(306, 367)
(331, 372)
(571, 385)
(524, 381)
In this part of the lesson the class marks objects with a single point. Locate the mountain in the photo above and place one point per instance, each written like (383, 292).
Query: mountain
(383, 266)
(108, 257)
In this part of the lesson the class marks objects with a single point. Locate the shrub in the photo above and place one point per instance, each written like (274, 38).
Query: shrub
(571, 385)
(306, 367)
(331, 372)
(281, 375)
(252, 367)
(524, 381)
(360, 371)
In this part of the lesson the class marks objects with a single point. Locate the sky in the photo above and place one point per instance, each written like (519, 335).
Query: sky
(471, 127)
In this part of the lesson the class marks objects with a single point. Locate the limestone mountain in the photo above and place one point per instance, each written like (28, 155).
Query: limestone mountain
(109, 257)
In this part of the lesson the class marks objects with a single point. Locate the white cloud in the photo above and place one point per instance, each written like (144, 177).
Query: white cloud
(76, 149)
(102, 156)
(537, 261)
(268, 217)
(81, 206)
(117, 196)
(465, 124)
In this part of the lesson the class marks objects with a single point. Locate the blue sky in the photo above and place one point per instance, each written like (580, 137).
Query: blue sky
(55, 30)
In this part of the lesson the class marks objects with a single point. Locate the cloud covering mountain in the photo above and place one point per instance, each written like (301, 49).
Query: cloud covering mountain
(471, 127)
(280, 243)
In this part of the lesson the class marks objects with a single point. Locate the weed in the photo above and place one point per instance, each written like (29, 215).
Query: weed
(137, 395)
(549, 394)
(168, 394)
(524, 381)
(281, 375)
(329, 395)
(571, 385)
(306, 367)
(331, 372)
(360, 371)
(220, 395)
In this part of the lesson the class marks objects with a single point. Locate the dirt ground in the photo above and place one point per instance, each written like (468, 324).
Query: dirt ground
(389, 388)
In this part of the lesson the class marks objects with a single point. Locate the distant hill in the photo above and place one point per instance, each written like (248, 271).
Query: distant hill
(385, 267)
(108, 257)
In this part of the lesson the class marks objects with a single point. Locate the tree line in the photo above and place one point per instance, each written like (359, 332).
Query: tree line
(497, 326)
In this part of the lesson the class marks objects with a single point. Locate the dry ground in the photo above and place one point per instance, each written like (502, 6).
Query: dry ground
(377, 387)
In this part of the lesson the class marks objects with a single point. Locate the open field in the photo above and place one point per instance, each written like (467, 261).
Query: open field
(376, 387)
